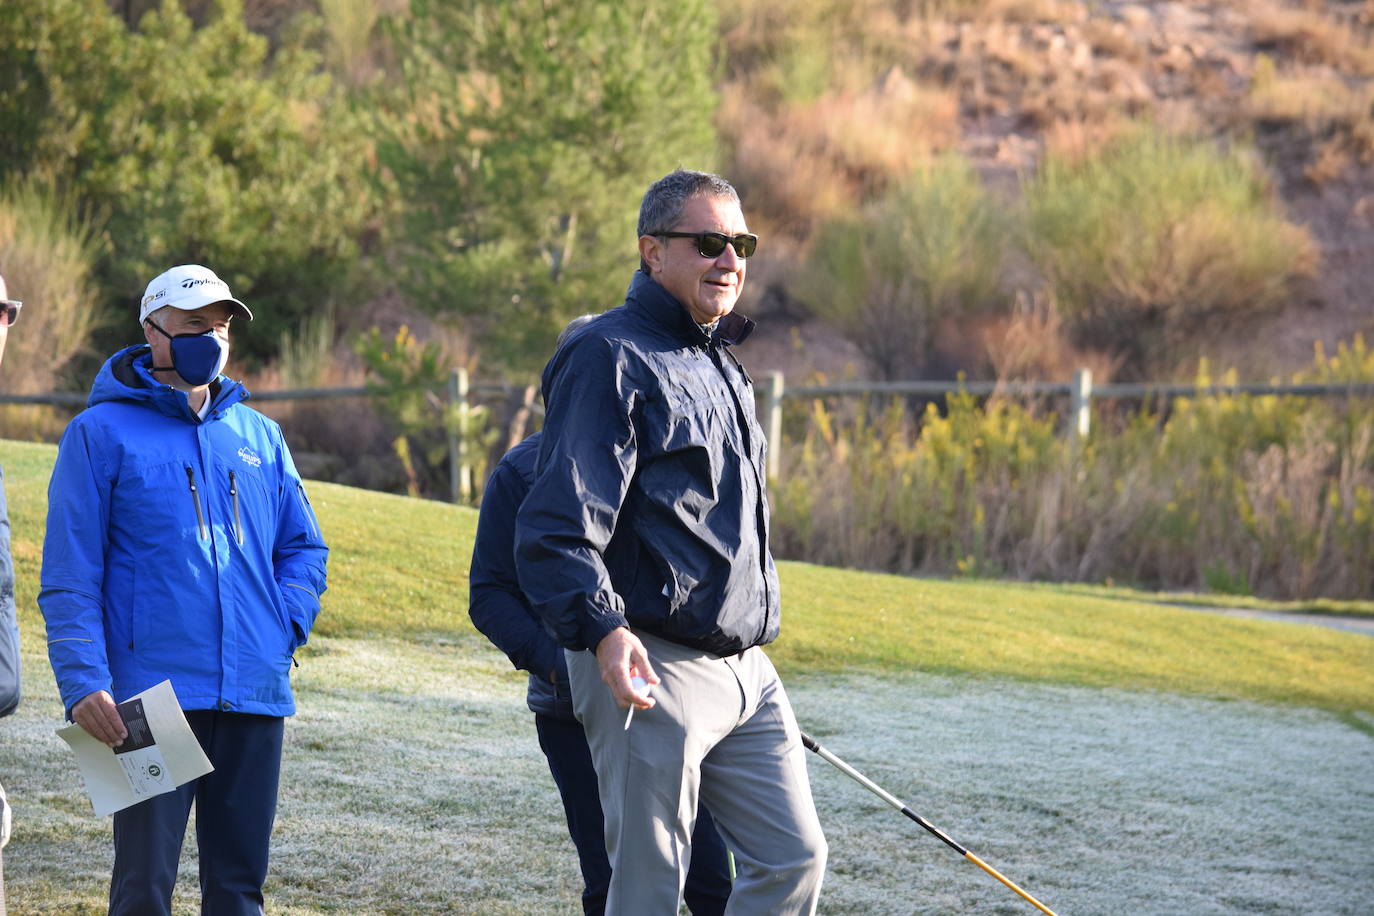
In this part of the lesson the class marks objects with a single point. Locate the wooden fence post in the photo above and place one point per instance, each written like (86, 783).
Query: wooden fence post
(773, 412)
(1080, 408)
(459, 471)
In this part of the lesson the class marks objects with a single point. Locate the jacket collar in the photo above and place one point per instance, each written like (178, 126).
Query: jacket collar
(663, 309)
(127, 376)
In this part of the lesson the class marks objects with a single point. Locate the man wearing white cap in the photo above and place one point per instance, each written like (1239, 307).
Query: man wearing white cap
(180, 546)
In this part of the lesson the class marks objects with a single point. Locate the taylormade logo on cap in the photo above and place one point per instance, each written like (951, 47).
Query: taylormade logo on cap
(188, 287)
(212, 281)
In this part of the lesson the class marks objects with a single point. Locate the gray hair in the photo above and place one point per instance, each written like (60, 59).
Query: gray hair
(663, 203)
(573, 325)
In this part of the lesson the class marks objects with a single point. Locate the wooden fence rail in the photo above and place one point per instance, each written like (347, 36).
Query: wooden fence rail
(460, 393)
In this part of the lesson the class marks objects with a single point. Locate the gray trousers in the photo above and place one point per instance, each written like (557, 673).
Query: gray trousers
(723, 731)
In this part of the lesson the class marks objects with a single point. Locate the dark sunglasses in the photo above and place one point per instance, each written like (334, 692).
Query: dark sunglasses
(711, 244)
(9, 310)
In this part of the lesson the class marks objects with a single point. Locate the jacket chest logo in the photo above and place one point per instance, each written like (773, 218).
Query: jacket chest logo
(248, 457)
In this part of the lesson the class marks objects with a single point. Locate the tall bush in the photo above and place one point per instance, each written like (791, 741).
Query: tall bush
(521, 138)
(869, 487)
(1265, 495)
(1156, 241)
(47, 256)
(932, 249)
(411, 377)
(188, 145)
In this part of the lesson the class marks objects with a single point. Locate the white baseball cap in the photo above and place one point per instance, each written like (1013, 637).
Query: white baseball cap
(188, 287)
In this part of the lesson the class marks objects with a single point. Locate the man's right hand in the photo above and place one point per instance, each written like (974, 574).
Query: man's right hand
(619, 656)
(96, 713)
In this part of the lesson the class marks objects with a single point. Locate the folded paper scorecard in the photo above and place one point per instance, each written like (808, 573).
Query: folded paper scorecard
(160, 753)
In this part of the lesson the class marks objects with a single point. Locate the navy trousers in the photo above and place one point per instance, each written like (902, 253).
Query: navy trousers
(570, 761)
(235, 807)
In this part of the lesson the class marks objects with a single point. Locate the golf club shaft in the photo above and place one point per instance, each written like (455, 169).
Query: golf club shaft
(870, 785)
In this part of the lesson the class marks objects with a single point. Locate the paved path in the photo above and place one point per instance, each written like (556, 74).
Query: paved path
(1352, 624)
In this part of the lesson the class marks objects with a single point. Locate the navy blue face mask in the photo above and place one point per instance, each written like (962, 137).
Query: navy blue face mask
(197, 358)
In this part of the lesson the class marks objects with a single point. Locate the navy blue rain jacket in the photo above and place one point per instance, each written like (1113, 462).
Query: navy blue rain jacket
(177, 548)
(649, 507)
(497, 606)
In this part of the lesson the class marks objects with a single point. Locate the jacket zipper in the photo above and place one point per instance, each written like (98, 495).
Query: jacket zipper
(305, 505)
(195, 498)
(741, 420)
(759, 482)
(234, 495)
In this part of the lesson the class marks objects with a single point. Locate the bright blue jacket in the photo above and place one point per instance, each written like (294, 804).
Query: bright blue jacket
(177, 548)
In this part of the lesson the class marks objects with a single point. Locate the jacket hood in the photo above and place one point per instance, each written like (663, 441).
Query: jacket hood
(664, 308)
(126, 376)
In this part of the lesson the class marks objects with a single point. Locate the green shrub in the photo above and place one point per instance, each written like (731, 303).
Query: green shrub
(189, 145)
(1156, 241)
(412, 378)
(521, 139)
(931, 249)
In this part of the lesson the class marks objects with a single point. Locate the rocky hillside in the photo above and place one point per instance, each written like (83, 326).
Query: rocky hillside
(826, 105)
(823, 108)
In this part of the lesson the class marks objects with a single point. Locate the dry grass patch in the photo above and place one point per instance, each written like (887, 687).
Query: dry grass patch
(1015, 11)
(1315, 98)
(802, 163)
(1310, 36)
(1332, 111)
(1033, 343)
(47, 254)
(1042, 72)
(1074, 141)
(1112, 39)
(784, 186)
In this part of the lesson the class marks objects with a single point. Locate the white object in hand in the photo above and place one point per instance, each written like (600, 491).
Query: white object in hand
(641, 686)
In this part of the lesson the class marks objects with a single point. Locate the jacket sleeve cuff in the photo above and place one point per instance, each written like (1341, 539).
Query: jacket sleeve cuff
(75, 693)
(596, 629)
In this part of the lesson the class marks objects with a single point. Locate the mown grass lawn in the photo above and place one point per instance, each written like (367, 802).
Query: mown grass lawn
(412, 764)
(398, 567)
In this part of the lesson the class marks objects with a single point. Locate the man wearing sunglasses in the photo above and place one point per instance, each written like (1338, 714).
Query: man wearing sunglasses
(643, 545)
(498, 608)
(9, 624)
(180, 546)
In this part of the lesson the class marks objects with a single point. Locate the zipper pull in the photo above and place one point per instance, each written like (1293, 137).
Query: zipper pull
(195, 498)
(234, 496)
